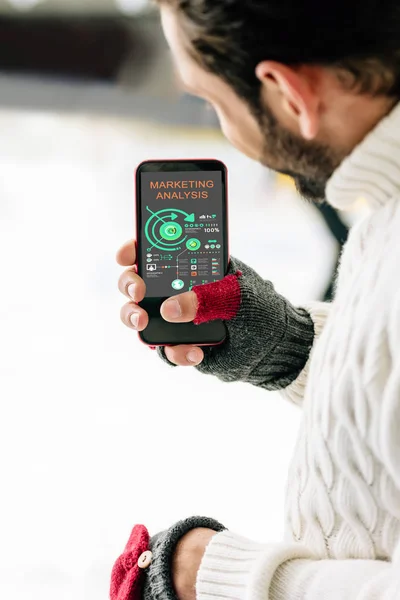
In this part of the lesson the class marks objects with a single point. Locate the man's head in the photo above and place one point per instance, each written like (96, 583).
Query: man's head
(296, 85)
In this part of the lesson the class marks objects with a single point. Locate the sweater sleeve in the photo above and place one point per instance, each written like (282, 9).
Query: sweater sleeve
(268, 339)
(234, 567)
(319, 312)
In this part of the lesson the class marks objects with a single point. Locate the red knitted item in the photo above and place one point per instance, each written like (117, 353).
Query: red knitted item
(218, 300)
(126, 577)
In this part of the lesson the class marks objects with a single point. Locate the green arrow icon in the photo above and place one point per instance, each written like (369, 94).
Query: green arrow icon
(172, 216)
(191, 218)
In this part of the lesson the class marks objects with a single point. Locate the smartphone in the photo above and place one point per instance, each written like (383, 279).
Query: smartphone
(182, 241)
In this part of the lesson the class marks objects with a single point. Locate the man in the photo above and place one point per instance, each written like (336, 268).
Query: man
(310, 90)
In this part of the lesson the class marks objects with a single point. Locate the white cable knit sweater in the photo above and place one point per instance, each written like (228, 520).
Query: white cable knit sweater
(343, 500)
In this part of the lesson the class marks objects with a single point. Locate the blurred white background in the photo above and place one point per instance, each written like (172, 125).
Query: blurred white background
(96, 434)
(130, 7)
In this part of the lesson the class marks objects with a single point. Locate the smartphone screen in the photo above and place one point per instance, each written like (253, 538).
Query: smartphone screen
(182, 240)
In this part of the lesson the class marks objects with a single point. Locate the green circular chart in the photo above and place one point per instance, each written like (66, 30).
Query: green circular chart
(171, 231)
(193, 244)
(164, 229)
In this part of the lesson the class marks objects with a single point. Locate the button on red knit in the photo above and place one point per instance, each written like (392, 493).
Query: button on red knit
(127, 576)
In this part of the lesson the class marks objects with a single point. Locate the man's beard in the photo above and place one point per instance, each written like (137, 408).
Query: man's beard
(310, 163)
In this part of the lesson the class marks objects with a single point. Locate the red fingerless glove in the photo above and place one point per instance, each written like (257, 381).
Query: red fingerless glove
(218, 300)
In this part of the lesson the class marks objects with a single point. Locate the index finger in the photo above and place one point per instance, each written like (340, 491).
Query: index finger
(126, 256)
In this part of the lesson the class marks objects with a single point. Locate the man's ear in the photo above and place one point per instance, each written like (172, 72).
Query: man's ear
(298, 99)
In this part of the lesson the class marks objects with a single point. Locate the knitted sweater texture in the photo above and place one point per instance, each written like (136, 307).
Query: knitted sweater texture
(343, 496)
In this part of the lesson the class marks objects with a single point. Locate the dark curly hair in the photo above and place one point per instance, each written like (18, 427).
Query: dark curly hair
(359, 39)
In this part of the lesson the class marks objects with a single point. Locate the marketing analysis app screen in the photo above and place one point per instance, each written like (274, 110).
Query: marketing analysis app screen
(182, 237)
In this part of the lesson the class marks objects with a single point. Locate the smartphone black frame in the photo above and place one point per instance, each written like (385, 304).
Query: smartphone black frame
(160, 332)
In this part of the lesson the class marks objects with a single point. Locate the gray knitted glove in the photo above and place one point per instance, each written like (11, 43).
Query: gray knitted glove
(268, 340)
(144, 569)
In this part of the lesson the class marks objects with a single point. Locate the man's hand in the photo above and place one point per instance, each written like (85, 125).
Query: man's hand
(187, 559)
(179, 309)
(268, 340)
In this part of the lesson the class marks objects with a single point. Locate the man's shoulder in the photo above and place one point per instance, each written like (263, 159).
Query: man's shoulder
(373, 246)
